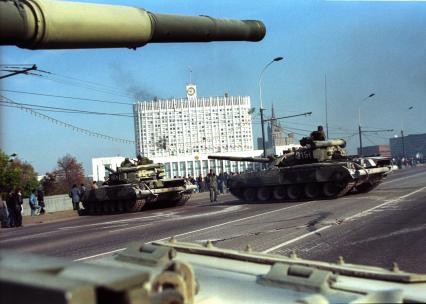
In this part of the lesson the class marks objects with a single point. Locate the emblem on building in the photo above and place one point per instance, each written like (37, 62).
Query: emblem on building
(191, 91)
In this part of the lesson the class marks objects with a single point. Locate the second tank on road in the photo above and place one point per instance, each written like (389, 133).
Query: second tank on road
(136, 185)
(318, 169)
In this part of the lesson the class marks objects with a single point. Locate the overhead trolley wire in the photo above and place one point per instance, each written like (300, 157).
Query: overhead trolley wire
(67, 110)
(67, 97)
(67, 125)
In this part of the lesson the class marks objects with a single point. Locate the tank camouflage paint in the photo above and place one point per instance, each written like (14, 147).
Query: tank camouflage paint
(318, 169)
(134, 187)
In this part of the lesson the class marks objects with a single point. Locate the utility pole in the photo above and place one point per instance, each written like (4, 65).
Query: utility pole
(402, 132)
(326, 104)
(359, 122)
(262, 121)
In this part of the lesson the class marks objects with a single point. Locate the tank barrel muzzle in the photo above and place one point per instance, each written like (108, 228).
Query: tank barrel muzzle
(49, 24)
(175, 28)
(238, 158)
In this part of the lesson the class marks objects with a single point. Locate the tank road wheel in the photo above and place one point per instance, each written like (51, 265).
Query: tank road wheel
(98, 207)
(135, 206)
(91, 208)
(120, 206)
(294, 192)
(264, 194)
(105, 207)
(112, 206)
(249, 194)
(183, 199)
(330, 190)
(279, 193)
(312, 190)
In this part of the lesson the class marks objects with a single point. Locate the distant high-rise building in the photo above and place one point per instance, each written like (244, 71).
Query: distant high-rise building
(276, 136)
(188, 129)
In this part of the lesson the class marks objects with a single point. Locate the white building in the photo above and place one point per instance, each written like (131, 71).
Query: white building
(181, 133)
(98, 166)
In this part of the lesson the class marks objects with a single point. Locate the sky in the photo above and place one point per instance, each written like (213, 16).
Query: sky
(360, 47)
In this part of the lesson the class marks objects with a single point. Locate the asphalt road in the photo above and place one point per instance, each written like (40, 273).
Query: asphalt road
(377, 228)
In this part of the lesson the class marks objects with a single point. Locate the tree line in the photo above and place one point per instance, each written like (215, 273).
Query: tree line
(18, 174)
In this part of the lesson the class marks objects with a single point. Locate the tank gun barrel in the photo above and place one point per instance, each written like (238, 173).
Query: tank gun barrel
(109, 169)
(237, 158)
(307, 142)
(48, 24)
(139, 167)
(328, 143)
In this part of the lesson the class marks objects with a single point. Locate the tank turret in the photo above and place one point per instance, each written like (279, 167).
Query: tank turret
(48, 24)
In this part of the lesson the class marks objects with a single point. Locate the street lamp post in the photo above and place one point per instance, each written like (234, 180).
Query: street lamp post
(402, 133)
(359, 122)
(261, 101)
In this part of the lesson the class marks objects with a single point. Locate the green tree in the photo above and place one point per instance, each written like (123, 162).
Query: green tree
(67, 173)
(16, 174)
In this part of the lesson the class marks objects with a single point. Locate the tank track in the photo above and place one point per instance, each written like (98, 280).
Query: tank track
(112, 207)
(294, 192)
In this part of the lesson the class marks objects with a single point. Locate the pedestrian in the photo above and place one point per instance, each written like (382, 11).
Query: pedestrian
(40, 199)
(207, 181)
(213, 186)
(19, 200)
(10, 202)
(74, 194)
(94, 185)
(4, 214)
(200, 183)
(82, 190)
(35, 208)
(220, 180)
(225, 181)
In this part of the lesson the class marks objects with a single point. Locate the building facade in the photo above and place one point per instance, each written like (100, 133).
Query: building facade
(99, 173)
(382, 150)
(414, 144)
(181, 133)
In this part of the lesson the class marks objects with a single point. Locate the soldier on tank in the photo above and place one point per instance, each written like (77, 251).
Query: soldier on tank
(126, 163)
(318, 134)
(143, 160)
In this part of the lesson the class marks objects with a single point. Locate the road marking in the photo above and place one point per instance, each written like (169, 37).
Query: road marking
(357, 215)
(296, 239)
(402, 178)
(166, 215)
(385, 236)
(129, 228)
(98, 255)
(261, 214)
(198, 230)
(24, 237)
(368, 211)
(233, 221)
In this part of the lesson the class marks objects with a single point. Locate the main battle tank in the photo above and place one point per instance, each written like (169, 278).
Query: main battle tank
(47, 24)
(135, 186)
(318, 169)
